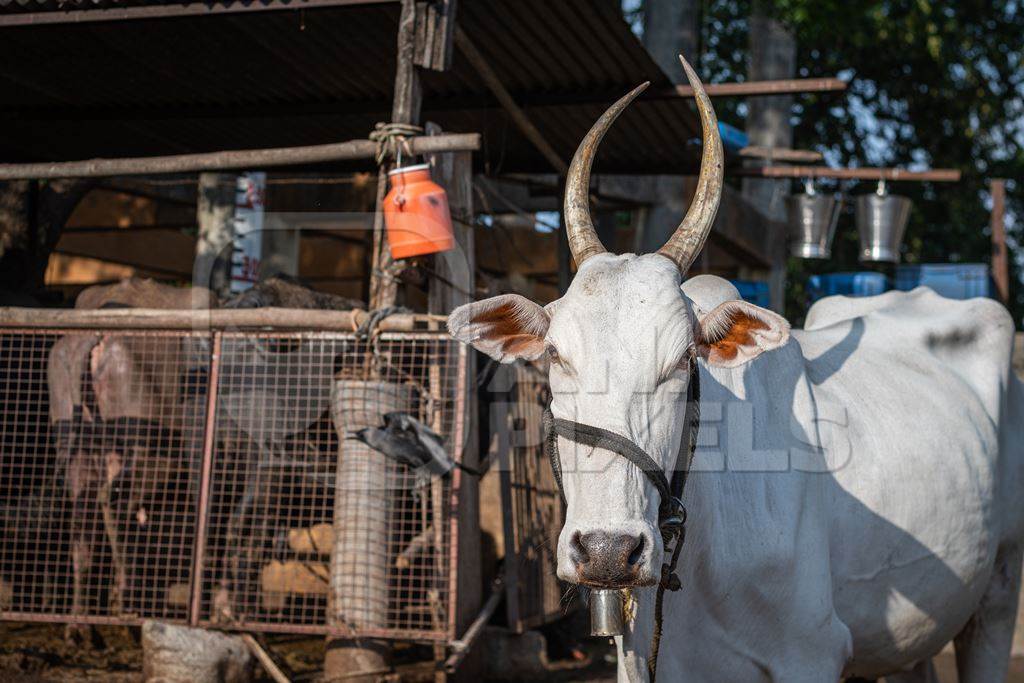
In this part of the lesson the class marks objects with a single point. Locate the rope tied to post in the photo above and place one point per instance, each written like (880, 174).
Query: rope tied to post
(393, 139)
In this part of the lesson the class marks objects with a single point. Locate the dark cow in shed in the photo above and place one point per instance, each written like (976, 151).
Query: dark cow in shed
(127, 410)
(121, 415)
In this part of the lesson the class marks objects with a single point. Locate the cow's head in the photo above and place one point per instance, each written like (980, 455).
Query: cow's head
(619, 344)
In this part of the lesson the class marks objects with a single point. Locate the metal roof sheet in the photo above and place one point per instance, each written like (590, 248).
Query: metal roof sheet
(277, 78)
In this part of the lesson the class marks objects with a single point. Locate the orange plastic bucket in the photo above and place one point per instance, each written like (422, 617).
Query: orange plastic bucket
(416, 214)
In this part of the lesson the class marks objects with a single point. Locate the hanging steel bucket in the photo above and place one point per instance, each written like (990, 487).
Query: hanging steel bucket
(881, 222)
(812, 223)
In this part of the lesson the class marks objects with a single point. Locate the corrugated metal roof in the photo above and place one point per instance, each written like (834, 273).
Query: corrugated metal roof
(265, 79)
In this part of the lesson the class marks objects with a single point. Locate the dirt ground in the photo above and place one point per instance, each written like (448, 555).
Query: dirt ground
(37, 653)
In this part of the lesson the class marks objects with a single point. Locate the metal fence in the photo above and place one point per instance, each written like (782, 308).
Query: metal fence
(194, 476)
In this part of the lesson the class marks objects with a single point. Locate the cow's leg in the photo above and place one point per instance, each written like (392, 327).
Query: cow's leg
(116, 556)
(983, 646)
(85, 538)
(81, 559)
(923, 672)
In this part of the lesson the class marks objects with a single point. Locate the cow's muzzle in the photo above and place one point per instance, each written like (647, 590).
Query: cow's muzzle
(605, 560)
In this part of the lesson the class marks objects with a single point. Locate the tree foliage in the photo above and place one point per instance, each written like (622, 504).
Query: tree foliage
(933, 83)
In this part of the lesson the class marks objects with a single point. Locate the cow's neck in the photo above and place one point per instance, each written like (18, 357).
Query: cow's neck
(634, 645)
(767, 392)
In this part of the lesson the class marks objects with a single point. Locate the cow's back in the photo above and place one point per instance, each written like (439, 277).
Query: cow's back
(926, 393)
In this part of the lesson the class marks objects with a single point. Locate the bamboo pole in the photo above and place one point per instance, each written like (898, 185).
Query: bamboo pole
(238, 159)
(215, 319)
(944, 175)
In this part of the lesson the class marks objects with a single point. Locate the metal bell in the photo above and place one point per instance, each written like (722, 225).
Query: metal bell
(607, 616)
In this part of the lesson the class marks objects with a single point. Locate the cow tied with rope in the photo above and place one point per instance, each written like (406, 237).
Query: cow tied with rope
(853, 504)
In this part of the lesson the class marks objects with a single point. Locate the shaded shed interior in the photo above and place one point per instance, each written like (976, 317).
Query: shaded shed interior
(283, 77)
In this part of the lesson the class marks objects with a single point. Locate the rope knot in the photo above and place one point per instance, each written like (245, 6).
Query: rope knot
(393, 139)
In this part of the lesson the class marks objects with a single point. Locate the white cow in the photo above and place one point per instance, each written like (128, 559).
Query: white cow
(856, 500)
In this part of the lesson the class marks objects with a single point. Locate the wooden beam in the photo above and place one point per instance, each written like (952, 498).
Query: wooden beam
(946, 175)
(215, 319)
(176, 10)
(787, 86)
(405, 108)
(453, 286)
(1000, 262)
(240, 159)
(780, 154)
(515, 112)
(435, 27)
(455, 102)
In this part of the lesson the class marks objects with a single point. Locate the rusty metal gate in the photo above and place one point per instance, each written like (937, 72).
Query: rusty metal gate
(194, 476)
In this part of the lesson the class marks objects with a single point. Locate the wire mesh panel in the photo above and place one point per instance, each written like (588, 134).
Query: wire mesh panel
(321, 431)
(531, 501)
(100, 445)
(262, 463)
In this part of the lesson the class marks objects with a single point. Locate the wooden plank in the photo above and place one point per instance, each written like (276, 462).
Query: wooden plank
(945, 175)
(786, 86)
(780, 154)
(162, 11)
(435, 27)
(264, 658)
(454, 286)
(406, 105)
(515, 112)
(203, 320)
(214, 212)
(239, 159)
(1000, 262)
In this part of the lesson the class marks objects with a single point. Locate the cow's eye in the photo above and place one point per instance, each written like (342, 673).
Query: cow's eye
(553, 354)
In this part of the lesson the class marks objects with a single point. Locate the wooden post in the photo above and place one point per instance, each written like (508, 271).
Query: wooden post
(345, 657)
(408, 98)
(772, 56)
(1000, 263)
(453, 287)
(216, 207)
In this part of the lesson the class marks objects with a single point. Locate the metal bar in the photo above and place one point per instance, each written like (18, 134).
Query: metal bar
(762, 88)
(518, 116)
(459, 433)
(210, 430)
(199, 320)
(947, 175)
(201, 9)
(237, 159)
(1000, 264)
(462, 646)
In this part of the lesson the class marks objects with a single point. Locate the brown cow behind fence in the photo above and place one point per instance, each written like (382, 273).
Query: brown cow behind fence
(125, 428)
(127, 410)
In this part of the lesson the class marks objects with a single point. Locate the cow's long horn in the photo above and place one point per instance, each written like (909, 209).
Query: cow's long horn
(689, 237)
(583, 239)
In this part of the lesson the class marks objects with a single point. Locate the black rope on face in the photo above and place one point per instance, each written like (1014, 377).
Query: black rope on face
(671, 513)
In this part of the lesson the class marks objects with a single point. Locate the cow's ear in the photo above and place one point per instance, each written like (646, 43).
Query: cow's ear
(507, 327)
(735, 332)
